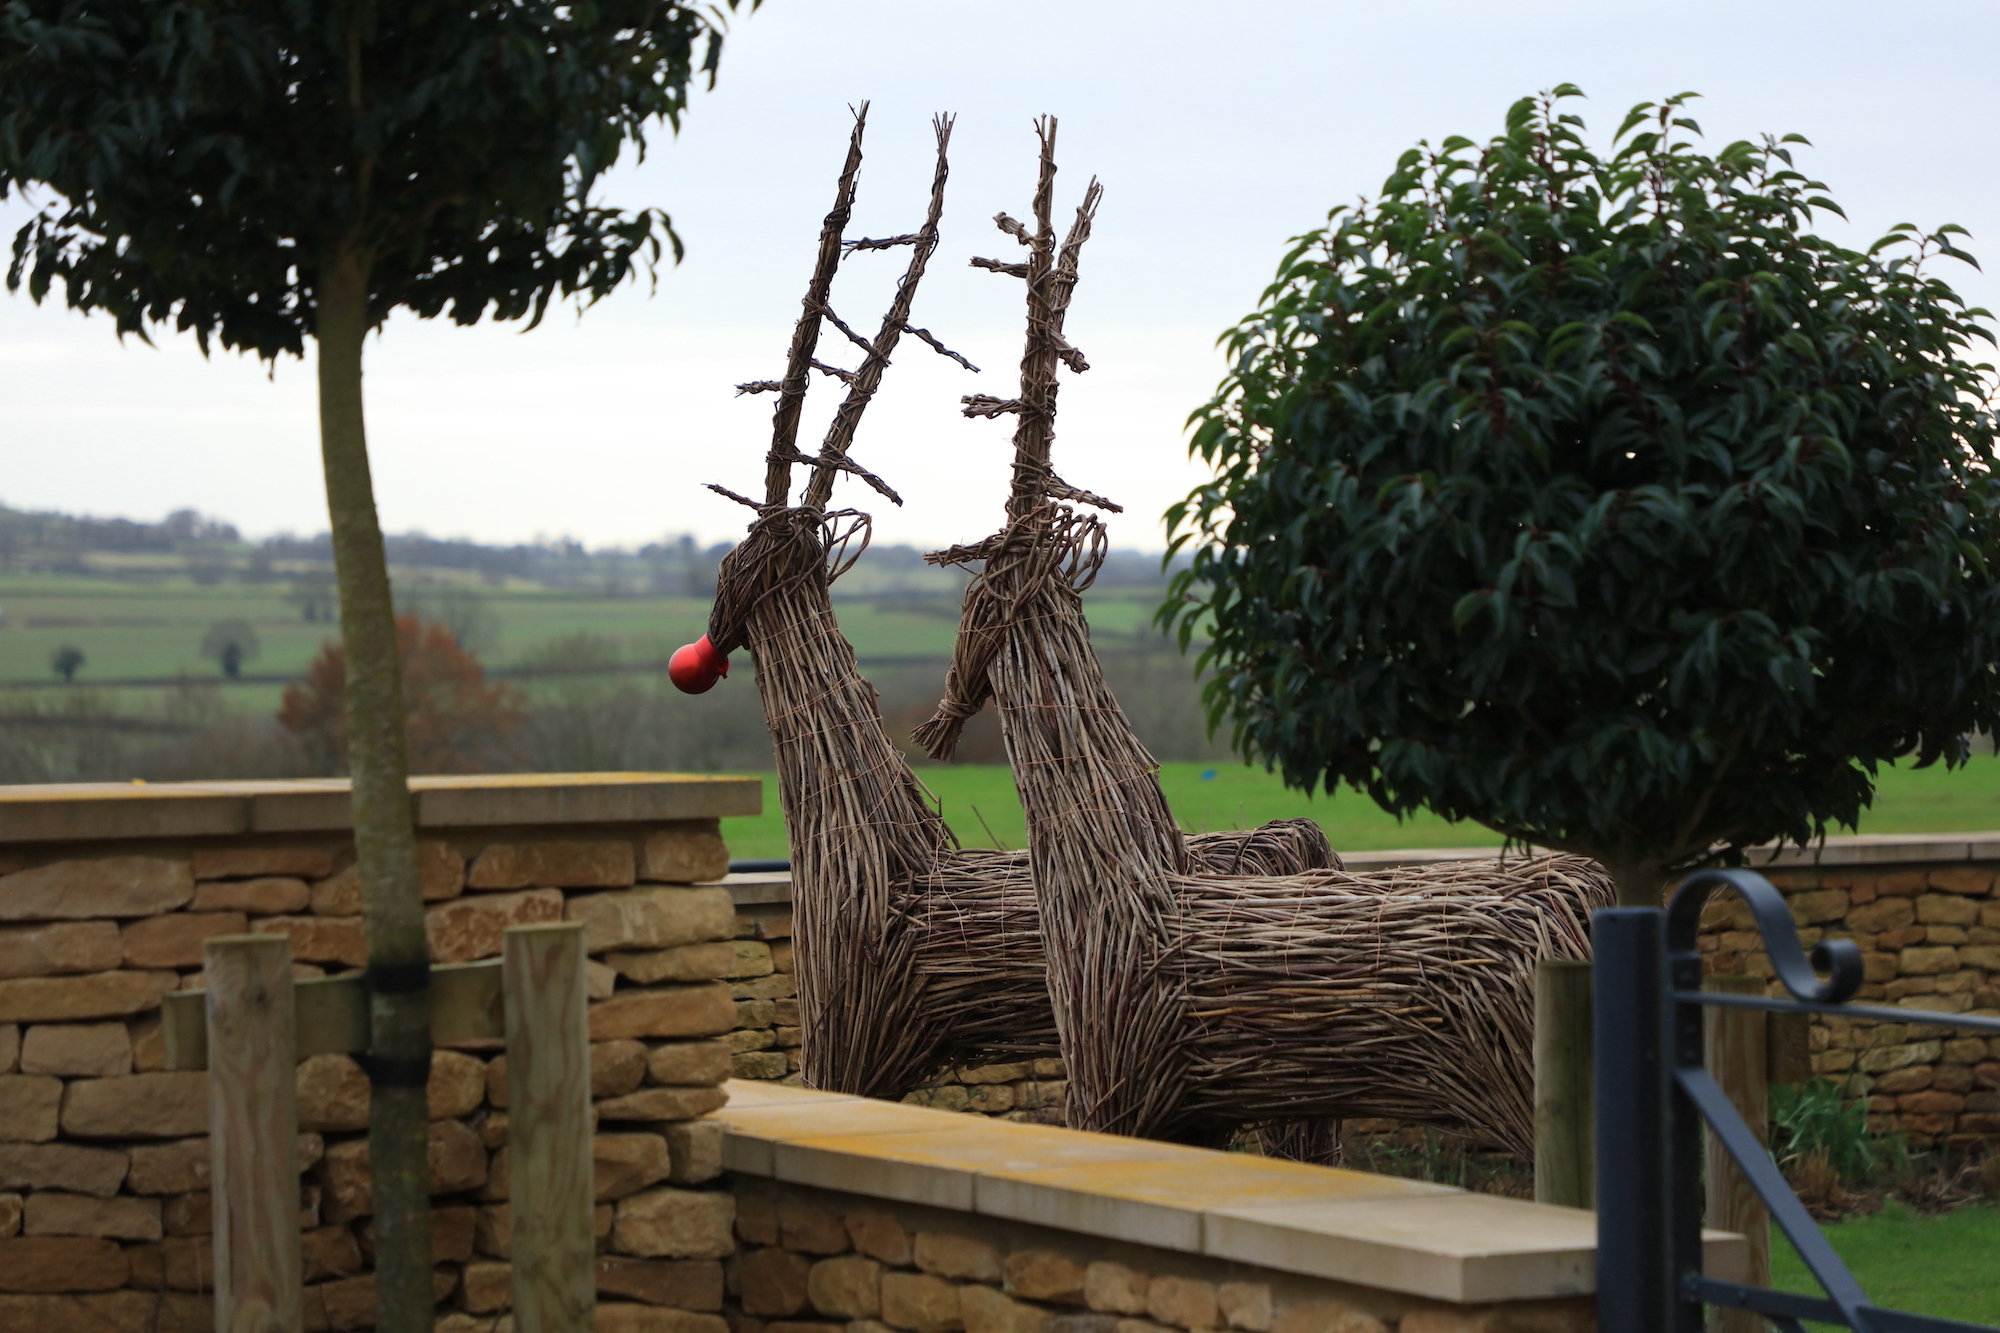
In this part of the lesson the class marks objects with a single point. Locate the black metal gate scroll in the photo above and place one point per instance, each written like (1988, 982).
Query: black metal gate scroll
(1653, 1094)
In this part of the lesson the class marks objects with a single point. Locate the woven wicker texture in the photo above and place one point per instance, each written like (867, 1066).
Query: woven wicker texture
(912, 953)
(1190, 1003)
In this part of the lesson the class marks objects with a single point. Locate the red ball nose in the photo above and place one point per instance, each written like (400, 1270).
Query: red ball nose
(695, 667)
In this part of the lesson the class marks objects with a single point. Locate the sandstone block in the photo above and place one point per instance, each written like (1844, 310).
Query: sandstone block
(777, 986)
(488, 1286)
(62, 946)
(757, 1219)
(77, 1050)
(1044, 1275)
(1963, 879)
(599, 981)
(650, 918)
(1817, 906)
(113, 886)
(1325, 1317)
(94, 995)
(1245, 1305)
(139, 1106)
(1911, 1078)
(759, 1065)
(10, 1046)
(253, 862)
(668, 1223)
(332, 1252)
(189, 1214)
(960, 1257)
(879, 1236)
(457, 1158)
(1944, 909)
(60, 1264)
(985, 1310)
(626, 1317)
(616, 1067)
(624, 1164)
(1902, 883)
(30, 1106)
(349, 1303)
(777, 926)
(570, 865)
(920, 1303)
(451, 1233)
(749, 958)
(755, 1013)
(685, 852)
(268, 896)
(781, 956)
(1927, 962)
(320, 939)
(1182, 1302)
(170, 1168)
(990, 1098)
(333, 1094)
(468, 928)
(1115, 1289)
(1931, 1101)
(673, 1011)
(688, 1284)
(772, 1283)
(175, 940)
(1084, 1323)
(810, 1230)
(1882, 914)
(10, 1215)
(61, 1166)
(1985, 956)
(665, 1103)
(457, 1084)
(695, 1149)
(177, 1264)
(50, 1213)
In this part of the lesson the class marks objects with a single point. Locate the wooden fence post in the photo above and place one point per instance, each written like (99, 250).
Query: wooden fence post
(1737, 1056)
(548, 1129)
(1565, 1152)
(253, 1124)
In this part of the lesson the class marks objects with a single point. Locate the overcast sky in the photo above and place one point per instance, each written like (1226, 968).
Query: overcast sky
(1218, 130)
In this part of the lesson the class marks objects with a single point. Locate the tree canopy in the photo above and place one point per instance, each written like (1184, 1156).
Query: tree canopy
(1599, 500)
(208, 156)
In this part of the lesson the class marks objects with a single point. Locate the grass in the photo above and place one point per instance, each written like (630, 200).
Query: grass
(1947, 1265)
(155, 631)
(980, 805)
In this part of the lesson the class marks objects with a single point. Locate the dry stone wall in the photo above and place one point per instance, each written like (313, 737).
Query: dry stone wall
(105, 1216)
(820, 1261)
(1930, 940)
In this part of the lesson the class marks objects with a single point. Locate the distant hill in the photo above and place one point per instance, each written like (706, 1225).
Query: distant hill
(187, 544)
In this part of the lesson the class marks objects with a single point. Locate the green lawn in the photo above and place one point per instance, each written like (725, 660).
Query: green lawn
(1947, 1266)
(979, 804)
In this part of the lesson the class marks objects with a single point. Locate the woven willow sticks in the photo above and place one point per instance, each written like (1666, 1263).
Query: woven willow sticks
(911, 952)
(1191, 1002)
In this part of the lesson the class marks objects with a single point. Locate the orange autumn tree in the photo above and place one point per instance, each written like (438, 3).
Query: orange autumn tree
(458, 721)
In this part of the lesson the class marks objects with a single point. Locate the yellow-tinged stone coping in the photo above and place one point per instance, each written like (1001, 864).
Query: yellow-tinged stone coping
(77, 811)
(1347, 1226)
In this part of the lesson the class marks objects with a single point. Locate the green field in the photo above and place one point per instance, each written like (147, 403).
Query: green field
(129, 631)
(979, 804)
(1947, 1266)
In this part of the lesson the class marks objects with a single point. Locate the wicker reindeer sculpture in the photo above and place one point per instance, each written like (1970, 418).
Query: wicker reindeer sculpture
(912, 952)
(1191, 1001)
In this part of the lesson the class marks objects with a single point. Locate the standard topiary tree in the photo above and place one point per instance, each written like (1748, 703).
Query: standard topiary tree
(264, 171)
(229, 644)
(1600, 501)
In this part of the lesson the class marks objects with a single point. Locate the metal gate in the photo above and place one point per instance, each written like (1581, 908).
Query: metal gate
(1653, 1094)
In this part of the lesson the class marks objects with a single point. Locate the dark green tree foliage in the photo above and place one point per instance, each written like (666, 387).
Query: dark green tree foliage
(208, 156)
(259, 172)
(1600, 501)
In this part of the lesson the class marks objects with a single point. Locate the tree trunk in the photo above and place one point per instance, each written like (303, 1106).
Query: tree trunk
(1641, 880)
(385, 839)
